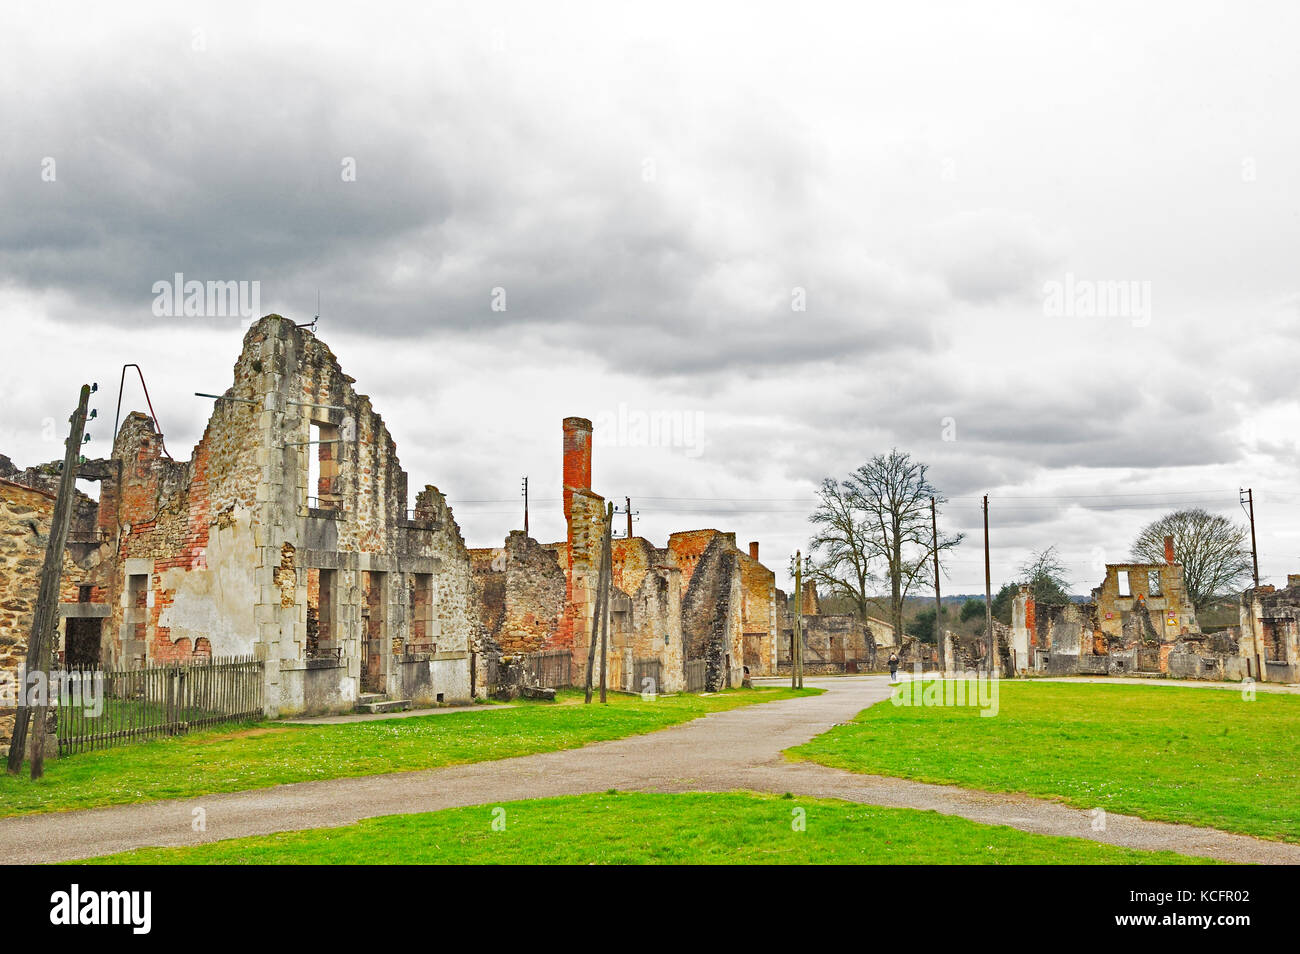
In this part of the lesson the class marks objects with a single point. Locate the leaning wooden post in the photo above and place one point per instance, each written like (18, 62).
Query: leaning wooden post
(40, 648)
(794, 630)
(596, 616)
(607, 568)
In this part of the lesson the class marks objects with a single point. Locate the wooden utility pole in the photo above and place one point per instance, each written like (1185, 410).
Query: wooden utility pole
(525, 506)
(628, 501)
(1248, 498)
(600, 614)
(40, 647)
(608, 570)
(988, 590)
(938, 602)
(796, 661)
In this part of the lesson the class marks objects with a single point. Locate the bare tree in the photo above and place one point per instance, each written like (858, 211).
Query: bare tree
(874, 527)
(1214, 551)
(1045, 574)
(840, 558)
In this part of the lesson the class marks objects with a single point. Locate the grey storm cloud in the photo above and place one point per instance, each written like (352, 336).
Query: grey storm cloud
(236, 175)
(823, 248)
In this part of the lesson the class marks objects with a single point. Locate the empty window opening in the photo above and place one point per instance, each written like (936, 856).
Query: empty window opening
(323, 455)
(1123, 584)
(1153, 583)
(137, 610)
(81, 643)
(1274, 647)
(422, 629)
(320, 613)
(374, 624)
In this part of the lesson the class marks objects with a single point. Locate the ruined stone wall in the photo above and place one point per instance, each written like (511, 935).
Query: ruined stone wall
(810, 602)
(688, 548)
(227, 539)
(1276, 624)
(758, 612)
(586, 531)
(488, 566)
(521, 591)
(648, 578)
(25, 518)
(832, 643)
(187, 526)
(1024, 631)
(882, 633)
(1165, 603)
(712, 622)
(1152, 630)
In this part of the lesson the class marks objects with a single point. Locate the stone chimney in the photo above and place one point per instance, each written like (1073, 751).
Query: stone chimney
(753, 550)
(811, 605)
(577, 460)
(1169, 549)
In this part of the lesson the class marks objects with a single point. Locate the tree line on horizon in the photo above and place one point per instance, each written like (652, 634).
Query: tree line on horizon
(873, 548)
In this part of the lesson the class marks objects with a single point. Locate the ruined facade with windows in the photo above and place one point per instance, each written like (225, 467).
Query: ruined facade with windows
(1269, 630)
(1140, 621)
(834, 642)
(26, 511)
(699, 600)
(286, 536)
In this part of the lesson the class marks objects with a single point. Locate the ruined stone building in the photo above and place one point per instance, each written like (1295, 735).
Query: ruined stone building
(1269, 631)
(1141, 621)
(26, 511)
(835, 642)
(286, 536)
(698, 598)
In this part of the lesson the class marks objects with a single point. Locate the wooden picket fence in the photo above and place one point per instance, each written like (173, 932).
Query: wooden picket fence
(99, 708)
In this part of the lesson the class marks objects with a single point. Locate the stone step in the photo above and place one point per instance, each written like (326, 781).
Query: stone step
(367, 697)
(384, 705)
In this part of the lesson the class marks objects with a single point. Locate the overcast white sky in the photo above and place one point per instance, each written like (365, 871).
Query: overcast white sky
(651, 184)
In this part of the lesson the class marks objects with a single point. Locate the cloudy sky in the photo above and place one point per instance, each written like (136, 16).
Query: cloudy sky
(800, 234)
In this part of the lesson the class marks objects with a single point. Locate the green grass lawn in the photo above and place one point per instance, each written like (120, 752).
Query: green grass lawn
(258, 756)
(633, 828)
(1201, 756)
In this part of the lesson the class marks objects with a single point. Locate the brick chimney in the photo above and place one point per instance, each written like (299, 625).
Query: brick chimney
(577, 459)
(753, 550)
(1169, 549)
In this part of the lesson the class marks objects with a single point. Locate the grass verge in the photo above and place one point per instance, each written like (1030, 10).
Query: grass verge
(637, 828)
(266, 754)
(1198, 756)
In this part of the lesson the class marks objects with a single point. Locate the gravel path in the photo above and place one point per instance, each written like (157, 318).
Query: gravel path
(737, 749)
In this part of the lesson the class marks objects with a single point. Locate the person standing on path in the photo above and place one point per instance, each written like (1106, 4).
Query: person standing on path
(893, 667)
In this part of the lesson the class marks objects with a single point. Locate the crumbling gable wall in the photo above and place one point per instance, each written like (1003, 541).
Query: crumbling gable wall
(758, 610)
(649, 580)
(227, 543)
(651, 588)
(25, 517)
(520, 589)
(1155, 591)
(688, 548)
(881, 633)
(1140, 620)
(1274, 616)
(833, 643)
(712, 624)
